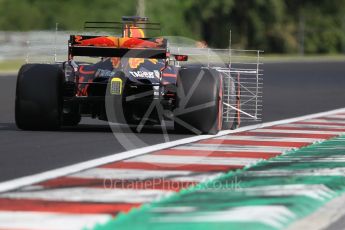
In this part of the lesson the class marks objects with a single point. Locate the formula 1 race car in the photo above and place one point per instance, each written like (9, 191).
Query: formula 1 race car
(137, 81)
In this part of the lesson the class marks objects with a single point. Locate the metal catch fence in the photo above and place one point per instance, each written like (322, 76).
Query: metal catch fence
(242, 76)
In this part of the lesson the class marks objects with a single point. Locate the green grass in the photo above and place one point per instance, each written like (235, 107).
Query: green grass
(10, 65)
(300, 58)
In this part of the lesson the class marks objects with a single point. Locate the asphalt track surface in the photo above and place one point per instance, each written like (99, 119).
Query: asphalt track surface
(290, 90)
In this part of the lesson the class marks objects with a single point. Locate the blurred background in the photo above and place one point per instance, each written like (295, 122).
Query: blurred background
(303, 40)
(276, 26)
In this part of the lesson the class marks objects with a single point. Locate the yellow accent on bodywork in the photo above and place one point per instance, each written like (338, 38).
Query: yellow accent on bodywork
(116, 86)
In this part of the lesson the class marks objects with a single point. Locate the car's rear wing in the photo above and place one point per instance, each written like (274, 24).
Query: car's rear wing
(109, 46)
(121, 25)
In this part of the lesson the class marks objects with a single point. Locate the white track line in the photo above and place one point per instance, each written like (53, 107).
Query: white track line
(296, 131)
(267, 138)
(203, 160)
(232, 148)
(306, 126)
(336, 116)
(324, 121)
(28, 180)
(136, 174)
(100, 195)
(49, 221)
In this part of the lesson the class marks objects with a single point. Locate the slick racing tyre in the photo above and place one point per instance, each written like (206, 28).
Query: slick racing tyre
(71, 119)
(38, 102)
(198, 101)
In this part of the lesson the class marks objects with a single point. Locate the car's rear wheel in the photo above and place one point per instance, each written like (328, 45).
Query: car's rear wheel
(198, 101)
(38, 103)
(71, 119)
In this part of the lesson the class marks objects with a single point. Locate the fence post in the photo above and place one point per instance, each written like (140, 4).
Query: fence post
(301, 33)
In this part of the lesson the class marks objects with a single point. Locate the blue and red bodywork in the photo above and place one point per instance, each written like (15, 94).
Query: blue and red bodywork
(143, 64)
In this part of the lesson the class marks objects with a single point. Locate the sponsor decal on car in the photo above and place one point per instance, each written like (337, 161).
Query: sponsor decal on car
(157, 74)
(105, 73)
(142, 74)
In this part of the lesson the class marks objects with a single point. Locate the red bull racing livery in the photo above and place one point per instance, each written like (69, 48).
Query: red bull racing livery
(137, 81)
